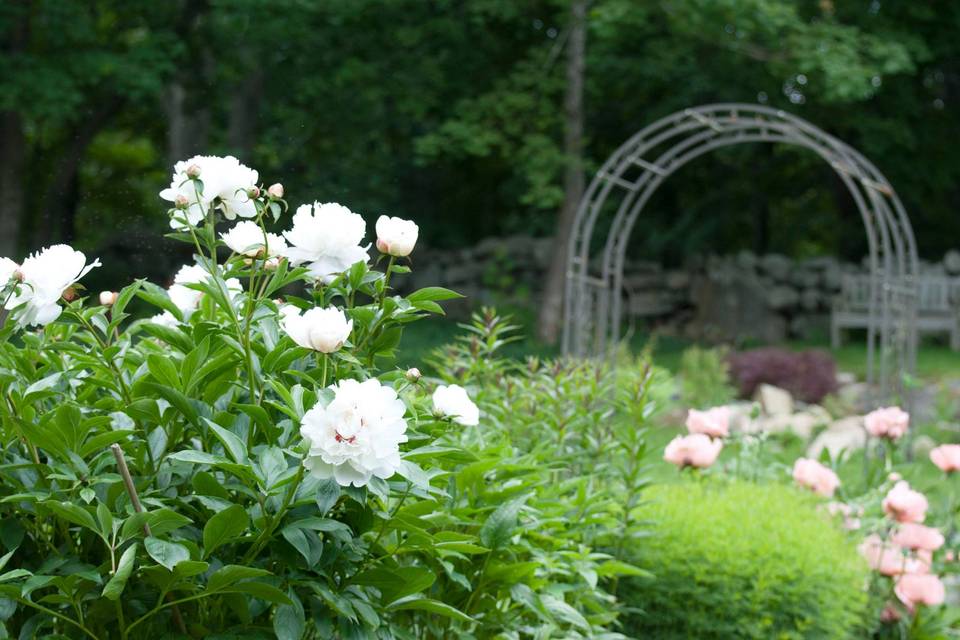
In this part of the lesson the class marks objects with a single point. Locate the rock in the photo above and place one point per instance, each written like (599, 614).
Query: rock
(846, 434)
(782, 297)
(856, 396)
(951, 262)
(747, 260)
(726, 311)
(845, 378)
(810, 299)
(740, 421)
(801, 424)
(774, 401)
(777, 266)
(677, 279)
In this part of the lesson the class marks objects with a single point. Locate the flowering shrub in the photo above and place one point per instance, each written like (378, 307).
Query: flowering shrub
(808, 375)
(237, 466)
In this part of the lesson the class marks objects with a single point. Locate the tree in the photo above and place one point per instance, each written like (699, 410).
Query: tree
(550, 309)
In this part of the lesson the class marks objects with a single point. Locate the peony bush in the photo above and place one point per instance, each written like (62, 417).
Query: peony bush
(250, 462)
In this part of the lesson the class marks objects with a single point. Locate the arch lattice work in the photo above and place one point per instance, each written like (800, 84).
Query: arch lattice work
(624, 184)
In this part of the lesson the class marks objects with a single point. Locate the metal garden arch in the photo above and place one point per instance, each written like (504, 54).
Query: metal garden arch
(629, 177)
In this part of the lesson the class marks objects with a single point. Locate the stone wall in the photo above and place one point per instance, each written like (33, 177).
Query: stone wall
(767, 298)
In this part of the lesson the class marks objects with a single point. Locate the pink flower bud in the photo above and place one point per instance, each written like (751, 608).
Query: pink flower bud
(181, 202)
(413, 374)
(193, 171)
(253, 193)
(275, 190)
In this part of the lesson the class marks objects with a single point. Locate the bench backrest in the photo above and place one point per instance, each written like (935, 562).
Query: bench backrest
(934, 293)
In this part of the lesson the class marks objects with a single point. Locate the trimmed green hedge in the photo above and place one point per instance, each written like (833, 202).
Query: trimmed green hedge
(744, 561)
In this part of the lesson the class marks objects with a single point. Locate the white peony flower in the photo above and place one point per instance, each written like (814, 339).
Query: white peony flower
(45, 276)
(323, 330)
(356, 436)
(328, 237)
(165, 319)
(396, 236)
(186, 298)
(247, 238)
(225, 186)
(453, 401)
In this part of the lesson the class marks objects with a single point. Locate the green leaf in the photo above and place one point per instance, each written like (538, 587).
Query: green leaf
(230, 441)
(224, 527)
(167, 554)
(289, 621)
(74, 514)
(115, 586)
(232, 573)
(433, 606)
(499, 526)
(429, 294)
(328, 492)
(165, 372)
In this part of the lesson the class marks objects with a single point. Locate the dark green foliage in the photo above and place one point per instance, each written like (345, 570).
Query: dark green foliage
(744, 561)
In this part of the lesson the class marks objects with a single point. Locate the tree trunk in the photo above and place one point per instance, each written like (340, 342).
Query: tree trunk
(12, 153)
(187, 129)
(244, 109)
(61, 197)
(551, 307)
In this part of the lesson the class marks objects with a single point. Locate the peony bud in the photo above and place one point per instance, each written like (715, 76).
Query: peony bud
(271, 264)
(108, 298)
(193, 171)
(323, 330)
(894, 477)
(181, 202)
(413, 374)
(69, 294)
(253, 193)
(275, 190)
(395, 236)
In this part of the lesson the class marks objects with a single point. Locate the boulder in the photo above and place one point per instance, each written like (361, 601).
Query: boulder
(726, 311)
(802, 424)
(810, 299)
(777, 266)
(782, 297)
(677, 279)
(774, 401)
(845, 378)
(846, 434)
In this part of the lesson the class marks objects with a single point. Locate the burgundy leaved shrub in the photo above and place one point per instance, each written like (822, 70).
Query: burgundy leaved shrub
(808, 375)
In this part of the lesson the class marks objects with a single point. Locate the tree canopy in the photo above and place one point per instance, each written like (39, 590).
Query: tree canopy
(451, 112)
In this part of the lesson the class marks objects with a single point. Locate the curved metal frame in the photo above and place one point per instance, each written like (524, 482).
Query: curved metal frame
(593, 304)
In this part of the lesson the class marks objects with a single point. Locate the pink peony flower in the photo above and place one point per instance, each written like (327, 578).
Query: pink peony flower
(694, 450)
(947, 457)
(919, 588)
(917, 536)
(883, 557)
(816, 477)
(903, 504)
(712, 422)
(888, 422)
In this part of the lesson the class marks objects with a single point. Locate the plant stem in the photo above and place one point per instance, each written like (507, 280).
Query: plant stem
(264, 536)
